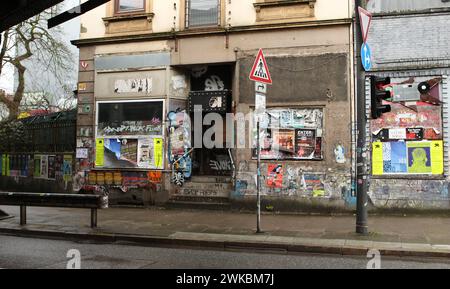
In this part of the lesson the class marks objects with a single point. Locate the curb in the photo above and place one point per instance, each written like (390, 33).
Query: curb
(224, 245)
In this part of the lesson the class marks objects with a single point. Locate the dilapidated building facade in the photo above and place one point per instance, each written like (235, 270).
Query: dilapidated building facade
(146, 64)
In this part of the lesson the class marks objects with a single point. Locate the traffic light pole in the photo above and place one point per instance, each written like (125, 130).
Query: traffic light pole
(362, 154)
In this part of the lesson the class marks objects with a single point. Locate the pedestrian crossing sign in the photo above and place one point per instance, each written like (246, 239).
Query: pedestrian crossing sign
(260, 71)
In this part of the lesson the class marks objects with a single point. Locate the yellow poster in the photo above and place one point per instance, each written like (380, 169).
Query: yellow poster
(3, 165)
(158, 152)
(8, 168)
(437, 157)
(100, 152)
(377, 158)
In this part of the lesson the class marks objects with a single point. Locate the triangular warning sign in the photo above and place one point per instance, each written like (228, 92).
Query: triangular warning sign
(260, 71)
(365, 18)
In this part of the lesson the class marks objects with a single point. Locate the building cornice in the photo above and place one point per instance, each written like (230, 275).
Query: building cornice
(426, 12)
(207, 32)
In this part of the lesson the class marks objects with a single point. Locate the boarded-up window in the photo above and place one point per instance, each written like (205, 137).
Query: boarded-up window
(292, 134)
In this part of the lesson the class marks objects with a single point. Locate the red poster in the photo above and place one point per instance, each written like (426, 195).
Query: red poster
(275, 176)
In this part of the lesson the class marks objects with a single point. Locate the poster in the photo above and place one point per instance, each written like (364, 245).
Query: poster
(82, 153)
(44, 166)
(437, 157)
(3, 165)
(425, 157)
(128, 151)
(275, 176)
(51, 167)
(314, 185)
(305, 143)
(99, 153)
(158, 152)
(284, 140)
(377, 159)
(120, 153)
(8, 165)
(37, 166)
(59, 159)
(145, 153)
(394, 158)
(24, 165)
(67, 168)
(415, 157)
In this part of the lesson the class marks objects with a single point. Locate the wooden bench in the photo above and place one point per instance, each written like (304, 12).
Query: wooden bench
(24, 200)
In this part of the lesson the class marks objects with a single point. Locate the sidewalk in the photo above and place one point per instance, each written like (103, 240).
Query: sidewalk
(399, 236)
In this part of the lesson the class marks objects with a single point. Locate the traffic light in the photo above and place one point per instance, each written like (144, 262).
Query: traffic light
(378, 94)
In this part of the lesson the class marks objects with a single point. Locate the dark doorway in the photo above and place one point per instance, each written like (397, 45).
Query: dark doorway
(211, 88)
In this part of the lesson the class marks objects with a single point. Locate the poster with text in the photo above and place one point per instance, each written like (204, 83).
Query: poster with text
(51, 167)
(44, 167)
(145, 153)
(394, 158)
(305, 143)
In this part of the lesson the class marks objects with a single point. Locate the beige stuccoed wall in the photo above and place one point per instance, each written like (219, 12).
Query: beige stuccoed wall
(132, 48)
(237, 13)
(164, 15)
(213, 48)
(92, 25)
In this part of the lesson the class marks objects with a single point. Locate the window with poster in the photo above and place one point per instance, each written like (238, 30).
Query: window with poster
(130, 134)
(291, 134)
(409, 139)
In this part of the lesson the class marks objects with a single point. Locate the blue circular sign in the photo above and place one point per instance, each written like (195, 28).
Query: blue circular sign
(366, 57)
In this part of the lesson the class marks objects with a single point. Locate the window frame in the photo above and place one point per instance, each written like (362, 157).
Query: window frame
(187, 14)
(117, 10)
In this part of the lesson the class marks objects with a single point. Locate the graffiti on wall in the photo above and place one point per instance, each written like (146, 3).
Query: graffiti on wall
(281, 180)
(179, 146)
(133, 85)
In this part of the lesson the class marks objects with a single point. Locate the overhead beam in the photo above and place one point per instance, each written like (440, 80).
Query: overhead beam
(75, 12)
(24, 10)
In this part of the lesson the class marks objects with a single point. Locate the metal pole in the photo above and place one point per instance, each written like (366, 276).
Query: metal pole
(94, 218)
(23, 215)
(361, 165)
(258, 180)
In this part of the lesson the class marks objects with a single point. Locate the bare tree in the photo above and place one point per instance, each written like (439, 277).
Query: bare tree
(31, 40)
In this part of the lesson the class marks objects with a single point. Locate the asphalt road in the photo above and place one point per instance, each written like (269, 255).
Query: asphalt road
(24, 253)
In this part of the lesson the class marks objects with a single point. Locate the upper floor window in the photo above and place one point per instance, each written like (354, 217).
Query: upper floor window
(130, 6)
(202, 13)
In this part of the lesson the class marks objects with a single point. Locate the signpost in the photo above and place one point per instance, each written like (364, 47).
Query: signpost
(261, 75)
(364, 20)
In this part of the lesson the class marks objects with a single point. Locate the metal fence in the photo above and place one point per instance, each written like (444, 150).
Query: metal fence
(40, 134)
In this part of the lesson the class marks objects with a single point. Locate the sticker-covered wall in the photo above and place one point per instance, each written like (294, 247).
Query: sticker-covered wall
(409, 144)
